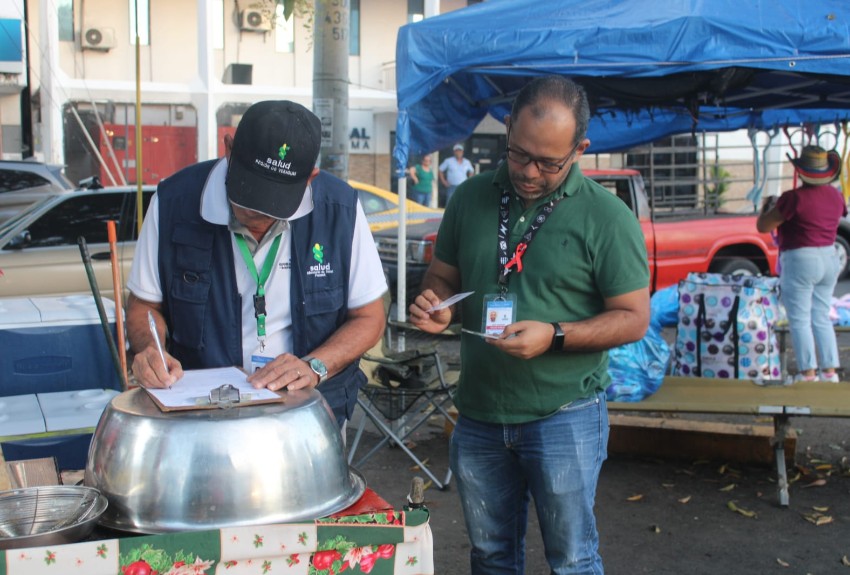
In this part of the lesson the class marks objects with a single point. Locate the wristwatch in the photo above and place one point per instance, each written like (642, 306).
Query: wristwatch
(318, 367)
(557, 338)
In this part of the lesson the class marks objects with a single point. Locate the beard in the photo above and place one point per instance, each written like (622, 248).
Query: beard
(531, 189)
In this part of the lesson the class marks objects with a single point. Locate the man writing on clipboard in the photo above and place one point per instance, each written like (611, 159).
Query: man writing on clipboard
(259, 260)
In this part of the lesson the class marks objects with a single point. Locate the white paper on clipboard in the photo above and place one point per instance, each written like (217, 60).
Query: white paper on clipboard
(451, 301)
(193, 389)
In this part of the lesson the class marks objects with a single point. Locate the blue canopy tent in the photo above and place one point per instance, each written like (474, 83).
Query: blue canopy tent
(650, 68)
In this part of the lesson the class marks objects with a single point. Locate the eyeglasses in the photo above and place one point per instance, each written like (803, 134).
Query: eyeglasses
(543, 166)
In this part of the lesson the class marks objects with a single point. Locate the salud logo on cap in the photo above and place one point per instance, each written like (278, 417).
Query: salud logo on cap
(281, 153)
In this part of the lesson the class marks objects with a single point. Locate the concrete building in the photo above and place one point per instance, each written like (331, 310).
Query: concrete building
(201, 63)
(68, 89)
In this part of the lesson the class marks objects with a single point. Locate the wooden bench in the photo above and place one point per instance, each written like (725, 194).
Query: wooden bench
(742, 396)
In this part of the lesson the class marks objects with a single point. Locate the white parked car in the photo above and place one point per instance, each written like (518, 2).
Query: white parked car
(39, 252)
(23, 183)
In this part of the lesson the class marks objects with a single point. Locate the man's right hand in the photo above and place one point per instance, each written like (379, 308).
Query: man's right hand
(149, 371)
(433, 321)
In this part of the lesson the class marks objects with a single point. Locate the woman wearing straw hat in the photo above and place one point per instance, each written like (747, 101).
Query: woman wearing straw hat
(806, 220)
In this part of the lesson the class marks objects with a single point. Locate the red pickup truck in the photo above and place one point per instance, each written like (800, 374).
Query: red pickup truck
(676, 242)
(679, 243)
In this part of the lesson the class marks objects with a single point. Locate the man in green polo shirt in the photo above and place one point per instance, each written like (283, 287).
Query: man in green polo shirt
(562, 263)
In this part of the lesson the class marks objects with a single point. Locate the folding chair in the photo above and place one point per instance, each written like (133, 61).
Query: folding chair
(405, 390)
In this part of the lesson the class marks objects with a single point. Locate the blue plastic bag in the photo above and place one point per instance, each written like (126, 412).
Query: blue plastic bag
(664, 307)
(637, 369)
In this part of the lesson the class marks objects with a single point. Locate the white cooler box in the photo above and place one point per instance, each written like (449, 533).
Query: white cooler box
(53, 344)
(58, 424)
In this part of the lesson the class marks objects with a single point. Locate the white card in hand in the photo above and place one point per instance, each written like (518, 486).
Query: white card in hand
(480, 333)
(452, 300)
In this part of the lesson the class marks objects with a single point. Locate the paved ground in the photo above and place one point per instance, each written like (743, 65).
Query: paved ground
(675, 517)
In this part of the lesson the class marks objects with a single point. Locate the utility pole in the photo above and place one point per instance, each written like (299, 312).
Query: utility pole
(330, 82)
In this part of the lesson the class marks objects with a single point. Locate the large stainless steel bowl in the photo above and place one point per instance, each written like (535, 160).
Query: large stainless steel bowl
(206, 469)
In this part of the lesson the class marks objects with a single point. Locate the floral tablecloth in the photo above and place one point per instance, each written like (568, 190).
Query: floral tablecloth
(366, 538)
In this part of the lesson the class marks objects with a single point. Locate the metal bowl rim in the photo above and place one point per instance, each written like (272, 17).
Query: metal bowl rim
(358, 484)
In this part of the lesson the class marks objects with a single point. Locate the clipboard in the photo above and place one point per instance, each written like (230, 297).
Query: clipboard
(216, 388)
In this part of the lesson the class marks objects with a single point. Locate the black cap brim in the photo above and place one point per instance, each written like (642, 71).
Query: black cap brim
(273, 198)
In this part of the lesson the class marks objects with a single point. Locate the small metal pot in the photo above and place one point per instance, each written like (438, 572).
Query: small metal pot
(207, 469)
(48, 515)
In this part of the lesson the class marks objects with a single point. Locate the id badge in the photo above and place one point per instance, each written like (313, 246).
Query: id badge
(259, 361)
(499, 312)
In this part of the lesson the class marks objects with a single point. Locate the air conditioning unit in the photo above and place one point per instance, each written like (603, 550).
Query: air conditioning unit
(254, 21)
(98, 38)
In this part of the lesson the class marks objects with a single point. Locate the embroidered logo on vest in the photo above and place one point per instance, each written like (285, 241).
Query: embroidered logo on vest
(320, 269)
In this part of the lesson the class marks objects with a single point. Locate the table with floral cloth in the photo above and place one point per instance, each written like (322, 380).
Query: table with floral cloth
(368, 537)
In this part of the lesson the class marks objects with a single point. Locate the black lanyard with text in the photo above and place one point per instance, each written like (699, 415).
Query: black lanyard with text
(260, 278)
(508, 264)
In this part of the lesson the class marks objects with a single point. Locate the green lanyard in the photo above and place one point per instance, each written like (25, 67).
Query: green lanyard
(260, 296)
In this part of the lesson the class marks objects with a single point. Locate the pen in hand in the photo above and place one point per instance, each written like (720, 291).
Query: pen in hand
(155, 335)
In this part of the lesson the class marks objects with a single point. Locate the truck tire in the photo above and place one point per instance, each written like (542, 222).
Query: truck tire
(735, 266)
(842, 248)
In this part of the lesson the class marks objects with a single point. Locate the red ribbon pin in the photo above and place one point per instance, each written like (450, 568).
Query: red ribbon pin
(517, 259)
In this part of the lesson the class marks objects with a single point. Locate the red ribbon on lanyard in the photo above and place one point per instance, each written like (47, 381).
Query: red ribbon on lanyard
(517, 259)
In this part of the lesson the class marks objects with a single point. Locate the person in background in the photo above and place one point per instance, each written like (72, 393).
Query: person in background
(564, 261)
(806, 221)
(422, 175)
(454, 171)
(262, 261)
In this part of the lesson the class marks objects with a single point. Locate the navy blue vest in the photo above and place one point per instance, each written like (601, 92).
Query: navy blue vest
(201, 302)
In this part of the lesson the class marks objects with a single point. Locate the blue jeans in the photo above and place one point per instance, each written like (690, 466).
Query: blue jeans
(807, 282)
(555, 460)
(449, 191)
(423, 198)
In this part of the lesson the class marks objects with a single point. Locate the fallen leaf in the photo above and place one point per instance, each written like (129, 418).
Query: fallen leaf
(821, 509)
(729, 487)
(795, 479)
(685, 499)
(816, 483)
(722, 468)
(783, 563)
(845, 561)
(818, 519)
(655, 529)
(668, 485)
(824, 467)
(637, 497)
(745, 512)
(416, 467)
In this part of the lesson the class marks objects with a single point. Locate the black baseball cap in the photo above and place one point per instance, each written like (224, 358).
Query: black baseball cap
(274, 152)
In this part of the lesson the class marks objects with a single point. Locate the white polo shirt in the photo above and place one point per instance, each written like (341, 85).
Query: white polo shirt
(456, 172)
(365, 285)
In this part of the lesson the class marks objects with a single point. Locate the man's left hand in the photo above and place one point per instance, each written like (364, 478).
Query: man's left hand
(286, 371)
(525, 339)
